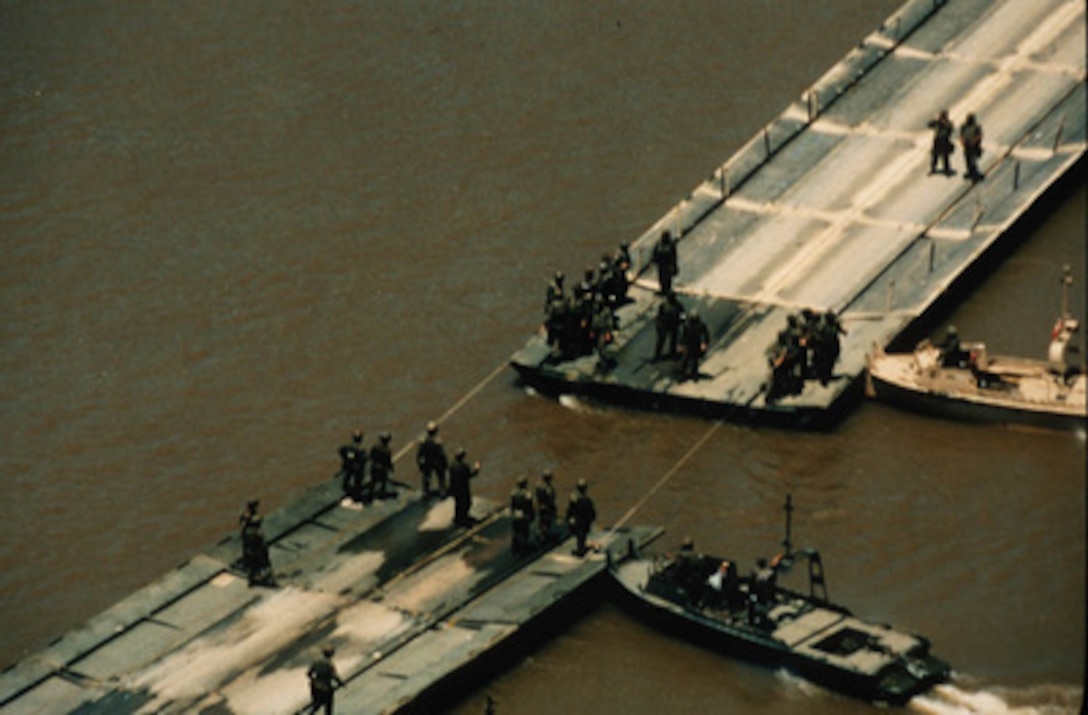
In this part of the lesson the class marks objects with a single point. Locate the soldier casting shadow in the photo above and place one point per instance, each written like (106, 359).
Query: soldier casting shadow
(255, 559)
(353, 467)
(971, 140)
(461, 475)
(432, 461)
(941, 151)
(323, 682)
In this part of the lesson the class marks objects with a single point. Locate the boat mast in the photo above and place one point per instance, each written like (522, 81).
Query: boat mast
(788, 542)
(1067, 280)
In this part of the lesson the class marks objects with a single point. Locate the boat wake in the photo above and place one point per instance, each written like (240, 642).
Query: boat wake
(573, 403)
(949, 699)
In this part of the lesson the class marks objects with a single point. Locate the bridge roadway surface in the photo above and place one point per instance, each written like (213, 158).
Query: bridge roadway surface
(832, 206)
(414, 607)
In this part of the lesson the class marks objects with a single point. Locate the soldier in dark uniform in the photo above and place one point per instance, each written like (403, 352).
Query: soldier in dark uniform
(667, 322)
(521, 516)
(826, 346)
(581, 514)
(353, 466)
(555, 291)
(604, 322)
(665, 258)
(694, 342)
(557, 327)
(323, 682)
(460, 476)
(942, 143)
(432, 460)
(952, 354)
(381, 466)
(787, 358)
(615, 288)
(809, 334)
(761, 592)
(971, 140)
(686, 568)
(584, 302)
(546, 508)
(255, 558)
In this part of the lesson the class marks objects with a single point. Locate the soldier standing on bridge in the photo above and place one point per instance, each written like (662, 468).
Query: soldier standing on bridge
(432, 460)
(581, 514)
(665, 258)
(381, 466)
(971, 139)
(694, 343)
(942, 143)
(323, 681)
(521, 516)
(461, 491)
(353, 466)
(826, 346)
(554, 292)
(546, 509)
(255, 559)
(667, 322)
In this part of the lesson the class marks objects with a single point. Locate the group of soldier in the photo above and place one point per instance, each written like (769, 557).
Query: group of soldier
(942, 148)
(806, 349)
(680, 334)
(526, 508)
(583, 321)
(708, 583)
(540, 504)
(365, 474)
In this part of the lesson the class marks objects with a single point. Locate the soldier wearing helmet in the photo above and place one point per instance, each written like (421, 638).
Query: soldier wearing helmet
(255, 560)
(432, 460)
(323, 681)
(546, 508)
(381, 466)
(353, 466)
(581, 514)
(693, 344)
(521, 515)
(460, 476)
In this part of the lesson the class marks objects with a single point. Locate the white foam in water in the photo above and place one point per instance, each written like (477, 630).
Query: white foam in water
(572, 403)
(796, 685)
(951, 700)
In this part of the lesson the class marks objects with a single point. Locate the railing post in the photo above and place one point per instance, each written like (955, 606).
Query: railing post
(1058, 136)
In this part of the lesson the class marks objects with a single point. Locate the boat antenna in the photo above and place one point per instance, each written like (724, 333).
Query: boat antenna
(1067, 280)
(788, 542)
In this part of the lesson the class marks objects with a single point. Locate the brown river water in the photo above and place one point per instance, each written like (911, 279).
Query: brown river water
(233, 231)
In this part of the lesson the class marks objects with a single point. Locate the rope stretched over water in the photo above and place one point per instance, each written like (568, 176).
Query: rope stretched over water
(630, 512)
(668, 475)
(457, 406)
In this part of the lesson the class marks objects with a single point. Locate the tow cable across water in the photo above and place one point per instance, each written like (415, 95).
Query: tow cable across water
(642, 500)
(667, 476)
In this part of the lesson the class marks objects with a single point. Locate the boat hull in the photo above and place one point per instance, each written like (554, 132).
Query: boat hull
(893, 686)
(958, 399)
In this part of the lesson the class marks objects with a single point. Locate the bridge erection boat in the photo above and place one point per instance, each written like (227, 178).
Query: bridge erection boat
(963, 381)
(752, 617)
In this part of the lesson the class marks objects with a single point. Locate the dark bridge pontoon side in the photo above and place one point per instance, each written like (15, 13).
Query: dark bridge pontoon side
(832, 208)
